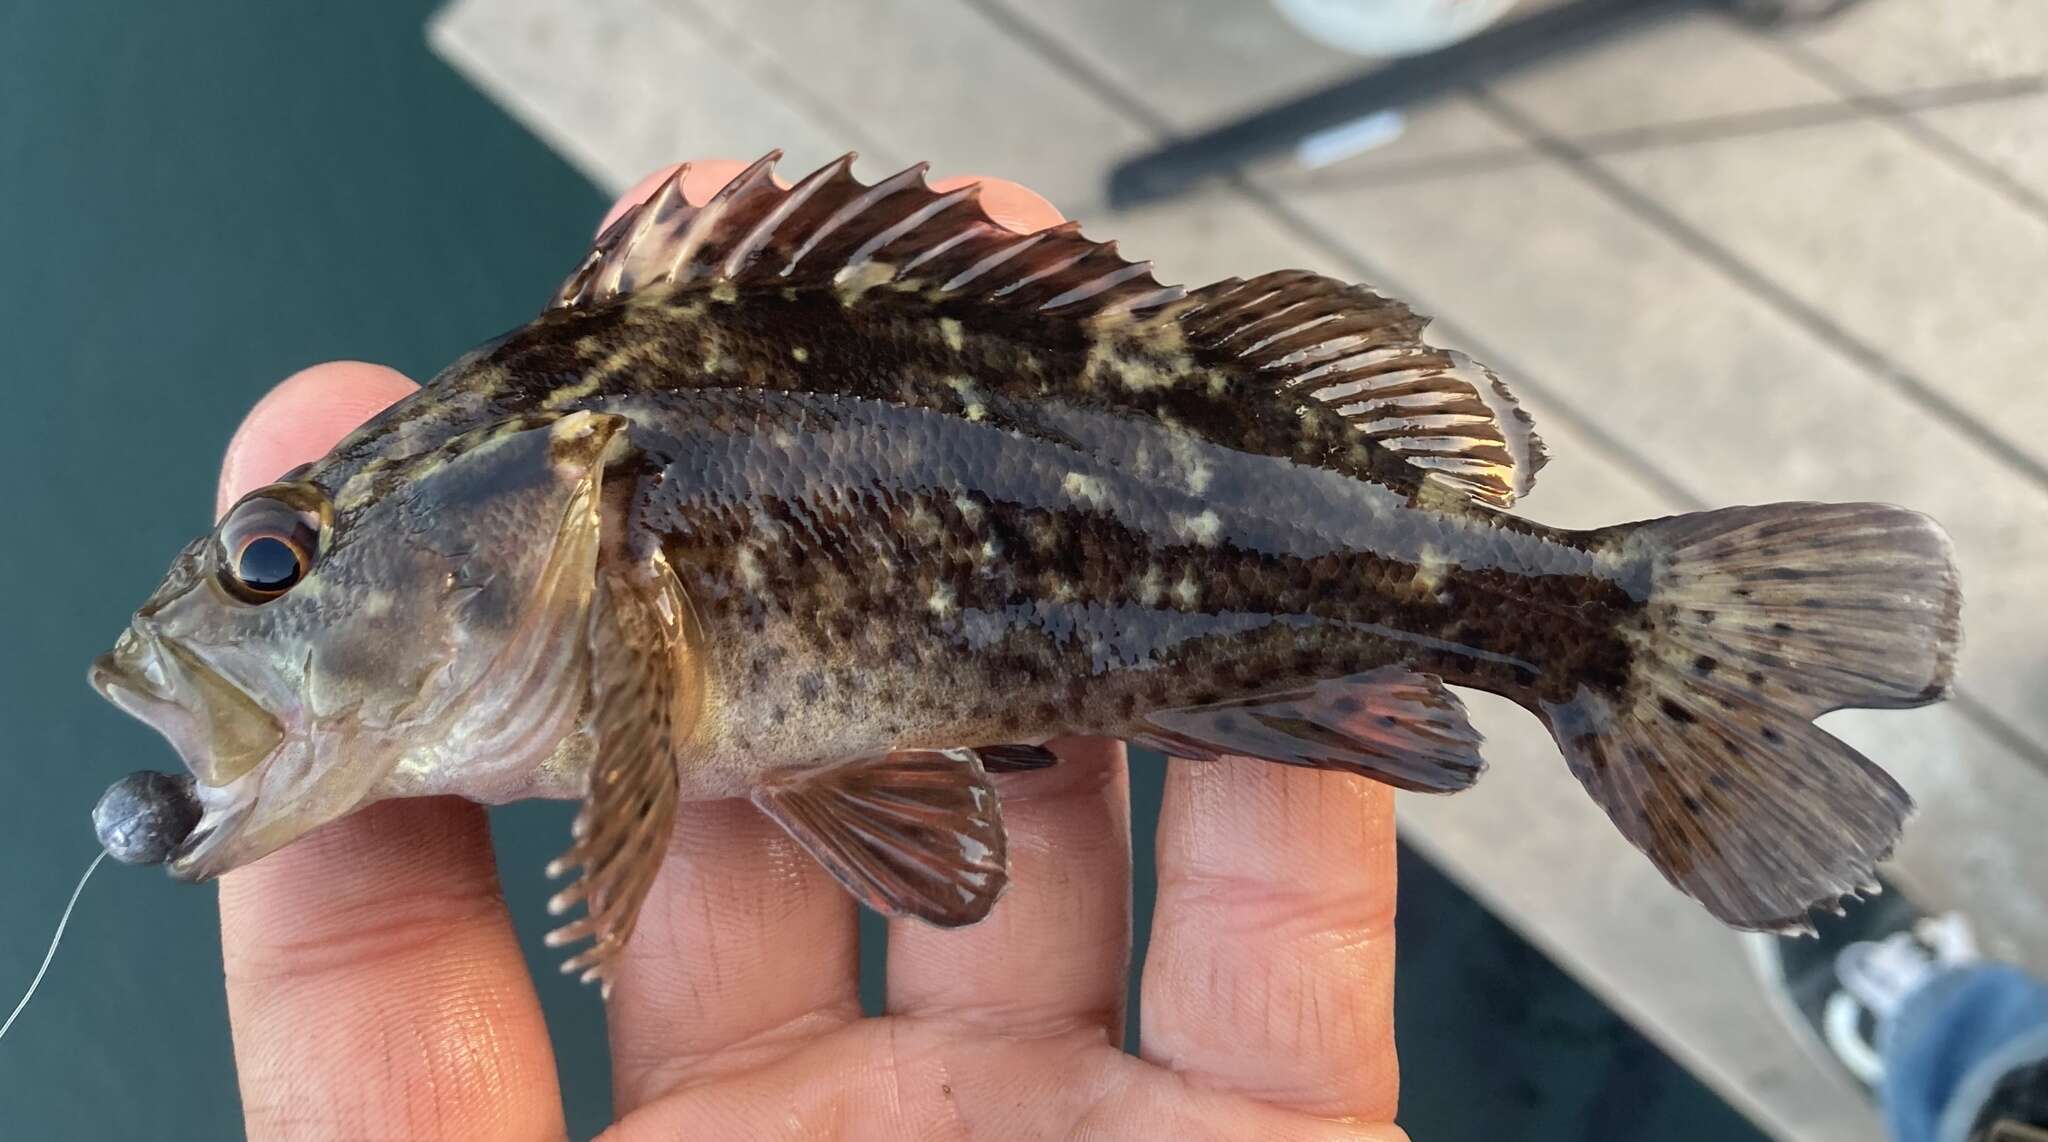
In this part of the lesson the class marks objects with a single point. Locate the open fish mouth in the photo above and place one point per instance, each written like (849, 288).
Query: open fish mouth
(220, 733)
(208, 850)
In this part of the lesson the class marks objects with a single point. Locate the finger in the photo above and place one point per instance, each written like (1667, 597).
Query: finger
(1054, 954)
(703, 180)
(375, 987)
(745, 946)
(1009, 204)
(304, 416)
(1271, 965)
(744, 949)
(892, 1078)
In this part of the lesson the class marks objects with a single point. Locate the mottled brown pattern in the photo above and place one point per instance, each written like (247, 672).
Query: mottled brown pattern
(896, 479)
(882, 595)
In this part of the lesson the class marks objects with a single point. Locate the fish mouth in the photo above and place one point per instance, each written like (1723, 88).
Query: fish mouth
(220, 733)
(209, 849)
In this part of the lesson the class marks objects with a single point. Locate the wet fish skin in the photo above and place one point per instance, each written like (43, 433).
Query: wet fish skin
(435, 645)
(881, 558)
(840, 497)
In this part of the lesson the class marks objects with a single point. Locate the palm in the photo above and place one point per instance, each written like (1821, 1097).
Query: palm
(1265, 1001)
(377, 989)
(932, 1078)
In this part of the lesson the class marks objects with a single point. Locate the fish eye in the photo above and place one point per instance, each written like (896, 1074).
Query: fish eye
(267, 545)
(268, 563)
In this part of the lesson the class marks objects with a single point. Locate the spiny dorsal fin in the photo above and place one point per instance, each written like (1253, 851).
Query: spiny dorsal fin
(1350, 349)
(830, 228)
(1325, 342)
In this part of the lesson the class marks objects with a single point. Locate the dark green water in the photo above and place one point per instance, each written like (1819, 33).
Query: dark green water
(196, 200)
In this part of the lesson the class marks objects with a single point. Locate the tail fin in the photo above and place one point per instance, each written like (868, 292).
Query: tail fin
(1758, 620)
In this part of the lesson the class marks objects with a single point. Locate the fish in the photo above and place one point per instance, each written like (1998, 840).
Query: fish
(842, 498)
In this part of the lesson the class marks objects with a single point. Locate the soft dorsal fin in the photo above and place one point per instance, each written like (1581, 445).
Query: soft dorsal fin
(1361, 354)
(1321, 342)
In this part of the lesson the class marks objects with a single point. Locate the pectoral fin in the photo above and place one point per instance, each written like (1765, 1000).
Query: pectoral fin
(622, 831)
(913, 832)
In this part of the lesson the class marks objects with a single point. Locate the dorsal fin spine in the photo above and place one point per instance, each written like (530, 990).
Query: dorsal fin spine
(791, 202)
(756, 179)
(1040, 275)
(855, 207)
(1002, 254)
(937, 249)
(912, 221)
(1096, 285)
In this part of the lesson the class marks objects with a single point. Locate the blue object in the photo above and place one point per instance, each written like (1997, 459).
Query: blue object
(1951, 1041)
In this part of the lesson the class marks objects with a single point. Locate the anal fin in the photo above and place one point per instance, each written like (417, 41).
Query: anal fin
(1391, 724)
(910, 833)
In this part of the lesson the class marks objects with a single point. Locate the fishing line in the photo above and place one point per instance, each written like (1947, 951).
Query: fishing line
(54, 941)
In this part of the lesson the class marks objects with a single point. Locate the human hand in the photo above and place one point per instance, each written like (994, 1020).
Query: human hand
(376, 988)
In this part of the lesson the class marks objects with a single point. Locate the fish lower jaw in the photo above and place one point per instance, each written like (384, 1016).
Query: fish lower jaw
(222, 810)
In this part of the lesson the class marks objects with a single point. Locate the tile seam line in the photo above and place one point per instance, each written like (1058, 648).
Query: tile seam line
(1904, 117)
(1569, 158)
(1973, 710)
(1554, 406)
(1818, 325)
(1364, 270)
(1977, 713)
(1689, 238)
(1629, 459)
(1569, 155)
(1686, 132)
(1847, 108)
(1573, 159)
(752, 59)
